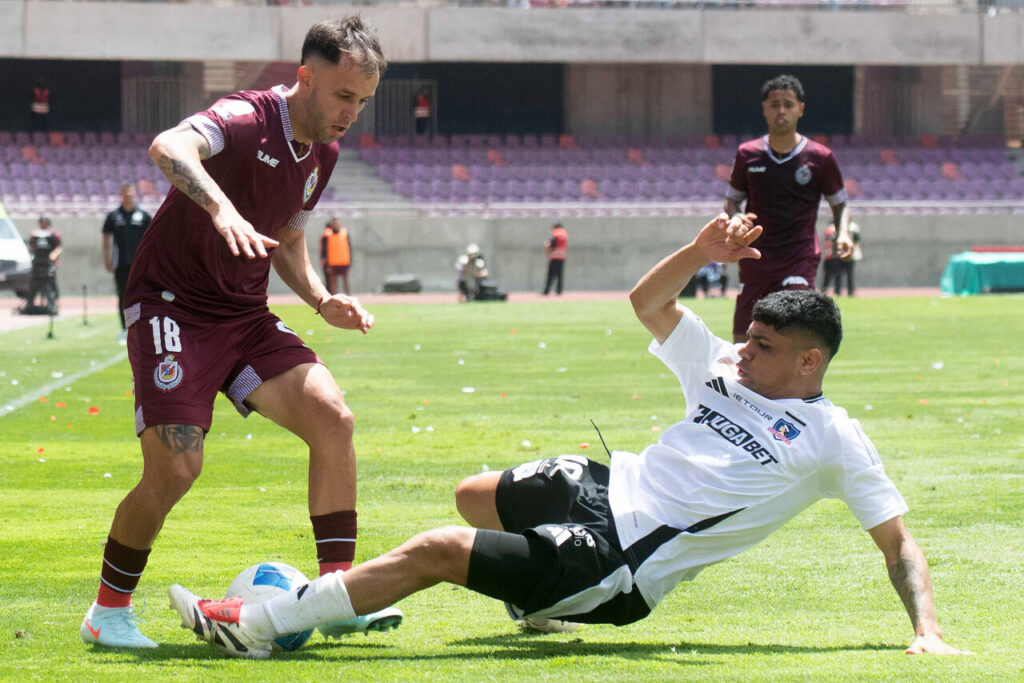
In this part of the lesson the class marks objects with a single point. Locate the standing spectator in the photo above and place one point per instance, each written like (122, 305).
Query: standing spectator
(831, 262)
(124, 227)
(848, 262)
(247, 174)
(556, 249)
(837, 269)
(45, 246)
(40, 106)
(335, 256)
(782, 177)
(421, 112)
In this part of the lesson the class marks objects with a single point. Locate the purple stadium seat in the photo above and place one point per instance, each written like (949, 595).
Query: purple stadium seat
(497, 190)
(404, 188)
(60, 188)
(41, 186)
(478, 190)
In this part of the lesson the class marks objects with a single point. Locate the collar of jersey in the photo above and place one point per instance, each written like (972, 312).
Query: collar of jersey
(796, 150)
(286, 122)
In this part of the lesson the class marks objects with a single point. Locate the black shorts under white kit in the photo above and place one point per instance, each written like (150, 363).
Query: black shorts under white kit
(559, 556)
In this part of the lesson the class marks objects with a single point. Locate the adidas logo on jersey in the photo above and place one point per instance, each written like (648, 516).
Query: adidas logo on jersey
(266, 158)
(757, 169)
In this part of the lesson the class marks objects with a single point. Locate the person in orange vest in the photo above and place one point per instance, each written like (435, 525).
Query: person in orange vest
(556, 249)
(335, 256)
(421, 112)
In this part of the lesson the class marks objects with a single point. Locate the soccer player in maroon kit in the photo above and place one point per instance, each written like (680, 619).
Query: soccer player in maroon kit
(782, 177)
(246, 174)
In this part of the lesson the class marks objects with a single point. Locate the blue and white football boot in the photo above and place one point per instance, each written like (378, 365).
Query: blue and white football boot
(113, 627)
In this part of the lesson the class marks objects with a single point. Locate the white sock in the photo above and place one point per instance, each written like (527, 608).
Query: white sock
(325, 599)
(256, 619)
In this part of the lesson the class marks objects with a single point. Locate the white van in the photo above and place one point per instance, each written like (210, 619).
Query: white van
(15, 261)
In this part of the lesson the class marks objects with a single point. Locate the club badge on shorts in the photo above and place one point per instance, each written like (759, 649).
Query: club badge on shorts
(168, 373)
(311, 182)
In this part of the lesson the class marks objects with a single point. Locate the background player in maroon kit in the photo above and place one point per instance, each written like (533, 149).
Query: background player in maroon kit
(782, 177)
(246, 174)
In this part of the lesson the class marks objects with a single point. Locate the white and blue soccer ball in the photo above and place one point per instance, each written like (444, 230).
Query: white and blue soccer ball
(267, 580)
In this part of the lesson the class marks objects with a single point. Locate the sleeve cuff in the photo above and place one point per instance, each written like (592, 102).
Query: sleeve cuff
(206, 127)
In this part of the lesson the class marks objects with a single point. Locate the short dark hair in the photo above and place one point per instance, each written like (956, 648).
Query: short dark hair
(348, 37)
(783, 82)
(803, 310)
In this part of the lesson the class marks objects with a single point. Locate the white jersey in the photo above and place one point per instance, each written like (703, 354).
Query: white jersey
(737, 468)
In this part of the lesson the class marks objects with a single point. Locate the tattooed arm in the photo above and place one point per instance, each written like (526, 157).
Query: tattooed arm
(908, 571)
(179, 152)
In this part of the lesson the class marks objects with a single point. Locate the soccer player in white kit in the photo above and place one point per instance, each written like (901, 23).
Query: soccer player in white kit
(570, 539)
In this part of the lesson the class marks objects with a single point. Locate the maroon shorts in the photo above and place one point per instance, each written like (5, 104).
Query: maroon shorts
(180, 362)
(751, 292)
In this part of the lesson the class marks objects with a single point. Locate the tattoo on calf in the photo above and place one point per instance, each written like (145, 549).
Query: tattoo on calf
(908, 581)
(180, 438)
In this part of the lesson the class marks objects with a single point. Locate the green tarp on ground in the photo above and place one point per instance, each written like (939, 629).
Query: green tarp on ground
(972, 272)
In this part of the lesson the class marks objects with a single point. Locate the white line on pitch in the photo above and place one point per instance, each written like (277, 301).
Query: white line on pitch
(24, 400)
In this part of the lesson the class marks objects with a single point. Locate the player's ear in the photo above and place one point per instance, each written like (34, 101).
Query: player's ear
(305, 76)
(811, 360)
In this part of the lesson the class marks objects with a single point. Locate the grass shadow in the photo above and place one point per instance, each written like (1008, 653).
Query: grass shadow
(512, 647)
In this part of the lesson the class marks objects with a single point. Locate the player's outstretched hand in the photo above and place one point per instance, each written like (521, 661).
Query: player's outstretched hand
(346, 312)
(241, 237)
(728, 240)
(933, 644)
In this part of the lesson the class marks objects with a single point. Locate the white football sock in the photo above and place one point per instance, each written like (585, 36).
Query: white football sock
(255, 618)
(325, 599)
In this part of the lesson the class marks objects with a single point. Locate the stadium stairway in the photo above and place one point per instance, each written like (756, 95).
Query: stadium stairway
(356, 181)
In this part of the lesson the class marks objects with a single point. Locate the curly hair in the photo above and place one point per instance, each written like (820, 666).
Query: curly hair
(783, 82)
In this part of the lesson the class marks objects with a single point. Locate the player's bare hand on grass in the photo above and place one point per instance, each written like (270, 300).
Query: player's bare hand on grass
(346, 312)
(728, 240)
(241, 237)
(933, 644)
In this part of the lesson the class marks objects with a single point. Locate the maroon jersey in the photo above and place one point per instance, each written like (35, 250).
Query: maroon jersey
(254, 161)
(784, 193)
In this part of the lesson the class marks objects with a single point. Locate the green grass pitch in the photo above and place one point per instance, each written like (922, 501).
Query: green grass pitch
(441, 392)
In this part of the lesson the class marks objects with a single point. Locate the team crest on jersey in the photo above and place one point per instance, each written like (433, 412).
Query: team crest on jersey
(784, 431)
(168, 374)
(803, 174)
(311, 182)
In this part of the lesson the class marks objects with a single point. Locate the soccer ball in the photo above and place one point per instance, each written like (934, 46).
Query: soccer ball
(264, 581)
